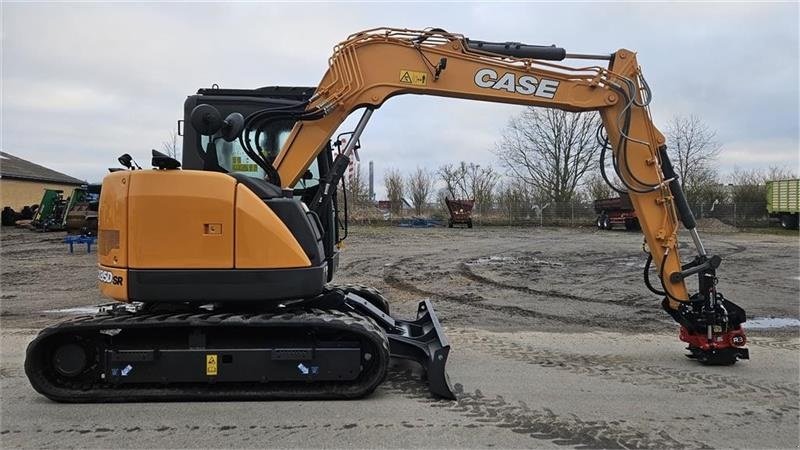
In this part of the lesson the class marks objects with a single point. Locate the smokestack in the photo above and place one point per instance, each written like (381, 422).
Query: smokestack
(371, 182)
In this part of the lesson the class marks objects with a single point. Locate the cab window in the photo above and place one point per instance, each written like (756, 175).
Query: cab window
(232, 157)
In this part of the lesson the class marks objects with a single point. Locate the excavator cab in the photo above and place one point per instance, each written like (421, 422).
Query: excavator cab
(235, 161)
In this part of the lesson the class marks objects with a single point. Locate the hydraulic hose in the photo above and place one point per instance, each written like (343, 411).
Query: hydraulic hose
(623, 150)
(647, 282)
(603, 142)
(661, 277)
(258, 120)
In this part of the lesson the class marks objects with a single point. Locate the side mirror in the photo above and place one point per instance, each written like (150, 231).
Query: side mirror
(126, 160)
(206, 119)
(232, 126)
(164, 162)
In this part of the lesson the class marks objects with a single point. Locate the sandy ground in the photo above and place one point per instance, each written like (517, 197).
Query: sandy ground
(556, 343)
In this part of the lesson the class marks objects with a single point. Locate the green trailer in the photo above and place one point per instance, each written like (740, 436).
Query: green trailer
(51, 211)
(54, 209)
(783, 201)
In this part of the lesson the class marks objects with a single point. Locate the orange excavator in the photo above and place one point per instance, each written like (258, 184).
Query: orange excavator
(224, 268)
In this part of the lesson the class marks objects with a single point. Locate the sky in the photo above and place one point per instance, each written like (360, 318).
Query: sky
(84, 83)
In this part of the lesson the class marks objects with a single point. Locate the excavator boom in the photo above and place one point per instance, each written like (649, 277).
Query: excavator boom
(372, 66)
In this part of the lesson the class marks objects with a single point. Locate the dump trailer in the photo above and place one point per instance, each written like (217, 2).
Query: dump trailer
(783, 201)
(460, 212)
(615, 211)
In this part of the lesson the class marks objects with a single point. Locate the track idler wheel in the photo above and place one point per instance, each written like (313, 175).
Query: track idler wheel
(70, 360)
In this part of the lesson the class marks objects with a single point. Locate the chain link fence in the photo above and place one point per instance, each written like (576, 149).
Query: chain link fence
(740, 215)
(717, 216)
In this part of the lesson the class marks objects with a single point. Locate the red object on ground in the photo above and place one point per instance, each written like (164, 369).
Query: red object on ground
(460, 212)
(719, 341)
(616, 211)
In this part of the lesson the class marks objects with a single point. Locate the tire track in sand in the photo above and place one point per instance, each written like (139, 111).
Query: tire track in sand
(614, 367)
(596, 320)
(778, 398)
(467, 272)
(540, 424)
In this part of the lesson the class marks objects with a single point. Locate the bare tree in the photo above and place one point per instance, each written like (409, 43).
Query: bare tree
(454, 177)
(693, 149)
(550, 149)
(470, 181)
(708, 190)
(357, 190)
(481, 182)
(171, 147)
(393, 181)
(780, 173)
(420, 186)
(597, 188)
(516, 198)
(748, 186)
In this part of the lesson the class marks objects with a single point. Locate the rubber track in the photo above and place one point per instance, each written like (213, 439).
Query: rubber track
(98, 392)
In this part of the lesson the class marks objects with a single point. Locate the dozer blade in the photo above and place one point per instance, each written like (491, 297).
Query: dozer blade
(421, 340)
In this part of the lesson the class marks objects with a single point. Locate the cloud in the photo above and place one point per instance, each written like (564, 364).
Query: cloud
(38, 96)
(761, 154)
(83, 83)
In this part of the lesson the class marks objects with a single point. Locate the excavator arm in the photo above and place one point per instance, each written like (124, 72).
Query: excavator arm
(372, 66)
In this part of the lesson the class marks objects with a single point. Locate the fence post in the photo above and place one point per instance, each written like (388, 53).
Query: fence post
(572, 213)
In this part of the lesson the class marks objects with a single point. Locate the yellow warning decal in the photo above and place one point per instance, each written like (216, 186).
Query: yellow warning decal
(413, 78)
(211, 364)
(245, 168)
(239, 166)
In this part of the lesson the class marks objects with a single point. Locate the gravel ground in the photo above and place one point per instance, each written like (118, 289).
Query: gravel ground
(556, 343)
